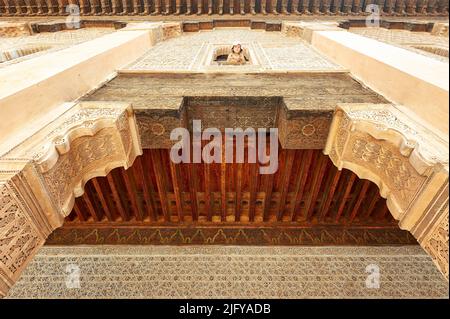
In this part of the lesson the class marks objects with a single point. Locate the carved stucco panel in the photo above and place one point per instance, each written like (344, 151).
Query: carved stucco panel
(396, 175)
(436, 244)
(408, 163)
(123, 124)
(19, 237)
(87, 154)
(431, 230)
(41, 177)
(376, 144)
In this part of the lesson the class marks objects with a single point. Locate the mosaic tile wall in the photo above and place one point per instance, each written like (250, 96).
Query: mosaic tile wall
(230, 272)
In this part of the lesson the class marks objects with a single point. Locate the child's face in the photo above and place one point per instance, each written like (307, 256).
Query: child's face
(237, 48)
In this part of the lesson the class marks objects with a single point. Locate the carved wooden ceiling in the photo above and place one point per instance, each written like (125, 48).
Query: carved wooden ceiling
(307, 201)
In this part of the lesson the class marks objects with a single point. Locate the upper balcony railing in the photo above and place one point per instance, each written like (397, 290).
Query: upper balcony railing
(223, 7)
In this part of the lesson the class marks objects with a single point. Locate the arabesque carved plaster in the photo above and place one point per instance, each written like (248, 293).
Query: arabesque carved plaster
(40, 178)
(409, 164)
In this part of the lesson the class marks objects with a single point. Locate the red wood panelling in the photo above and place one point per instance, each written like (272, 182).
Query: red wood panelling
(307, 189)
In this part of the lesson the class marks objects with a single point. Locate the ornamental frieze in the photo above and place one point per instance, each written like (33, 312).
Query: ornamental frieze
(297, 129)
(40, 178)
(219, 235)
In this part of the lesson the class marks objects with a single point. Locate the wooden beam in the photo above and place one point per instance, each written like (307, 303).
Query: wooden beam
(361, 196)
(316, 184)
(130, 185)
(287, 169)
(223, 186)
(79, 212)
(193, 188)
(207, 196)
(330, 194)
(175, 173)
(301, 183)
(95, 213)
(117, 200)
(148, 189)
(375, 197)
(103, 200)
(161, 183)
(384, 211)
(121, 189)
(253, 183)
(345, 197)
(353, 199)
(237, 213)
(268, 190)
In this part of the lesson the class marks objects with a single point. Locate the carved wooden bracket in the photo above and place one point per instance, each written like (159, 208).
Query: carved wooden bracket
(407, 162)
(41, 177)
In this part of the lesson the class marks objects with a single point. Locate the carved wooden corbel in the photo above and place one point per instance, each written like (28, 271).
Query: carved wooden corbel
(41, 177)
(408, 163)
